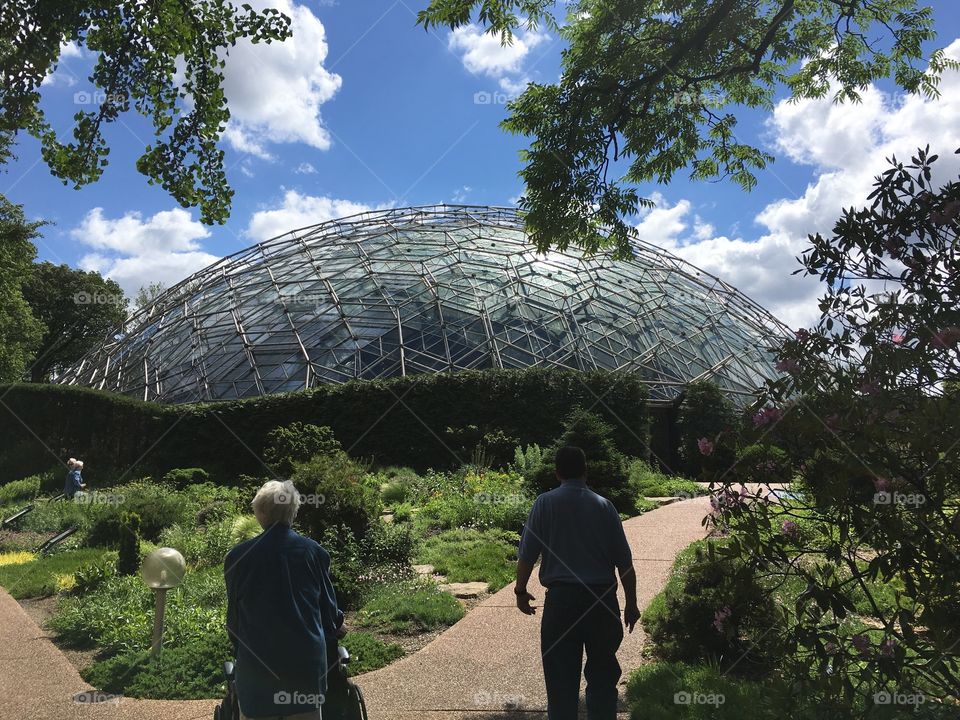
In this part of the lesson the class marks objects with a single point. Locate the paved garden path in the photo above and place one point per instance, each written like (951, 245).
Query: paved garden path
(492, 657)
(473, 671)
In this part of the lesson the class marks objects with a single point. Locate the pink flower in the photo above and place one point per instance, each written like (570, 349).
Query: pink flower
(868, 387)
(789, 528)
(801, 335)
(705, 446)
(881, 484)
(893, 248)
(947, 337)
(861, 643)
(721, 616)
(789, 365)
(766, 416)
(947, 214)
(887, 647)
(898, 338)
(831, 648)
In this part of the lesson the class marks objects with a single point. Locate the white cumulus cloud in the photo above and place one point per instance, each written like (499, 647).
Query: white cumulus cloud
(846, 146)
(297, 211)
(136, 251)
(275, 90)
(483, 54)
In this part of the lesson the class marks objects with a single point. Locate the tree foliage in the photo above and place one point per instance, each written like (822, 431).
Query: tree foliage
(163, 58)
(20, 331)
(78, 310)
(875, 439)
(652, 87)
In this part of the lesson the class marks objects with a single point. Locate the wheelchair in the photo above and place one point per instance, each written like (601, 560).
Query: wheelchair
(343, 701)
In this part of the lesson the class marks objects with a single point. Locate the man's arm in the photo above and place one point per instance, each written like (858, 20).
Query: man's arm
(631, 611)
(530, 548)
(524, 569)
(233, 611)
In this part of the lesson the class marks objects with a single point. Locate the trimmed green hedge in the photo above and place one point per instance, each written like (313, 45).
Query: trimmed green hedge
(401, 421)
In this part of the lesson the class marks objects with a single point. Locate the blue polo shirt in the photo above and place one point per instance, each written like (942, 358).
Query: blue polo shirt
(579, 536)
(281, 608)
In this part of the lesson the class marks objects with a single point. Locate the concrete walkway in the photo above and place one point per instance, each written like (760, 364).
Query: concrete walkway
(489, 662)
(480, 669)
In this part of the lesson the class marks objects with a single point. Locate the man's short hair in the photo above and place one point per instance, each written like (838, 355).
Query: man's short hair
(276, 502)
(571, 463)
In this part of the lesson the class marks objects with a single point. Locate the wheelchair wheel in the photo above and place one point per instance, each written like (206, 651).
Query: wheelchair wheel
(357, 707)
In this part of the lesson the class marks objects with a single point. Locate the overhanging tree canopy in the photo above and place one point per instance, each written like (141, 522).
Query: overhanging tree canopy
(654, 85)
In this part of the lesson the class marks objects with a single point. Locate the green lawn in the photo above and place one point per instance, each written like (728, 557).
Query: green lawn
(38, 578)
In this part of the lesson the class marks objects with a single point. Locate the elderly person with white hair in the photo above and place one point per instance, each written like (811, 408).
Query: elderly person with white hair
(282, 613)
(74, 483)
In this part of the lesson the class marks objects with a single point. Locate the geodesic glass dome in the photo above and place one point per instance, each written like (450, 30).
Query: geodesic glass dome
(432, 289)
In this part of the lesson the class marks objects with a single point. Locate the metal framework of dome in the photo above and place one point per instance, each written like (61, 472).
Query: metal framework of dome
(430, 289)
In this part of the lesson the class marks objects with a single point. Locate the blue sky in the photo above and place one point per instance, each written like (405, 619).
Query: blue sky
(363, 109)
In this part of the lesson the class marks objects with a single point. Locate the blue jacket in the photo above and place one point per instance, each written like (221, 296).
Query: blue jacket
(72, 484)
(281, 608)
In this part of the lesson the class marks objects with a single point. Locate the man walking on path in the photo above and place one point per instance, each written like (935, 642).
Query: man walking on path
(581, 540)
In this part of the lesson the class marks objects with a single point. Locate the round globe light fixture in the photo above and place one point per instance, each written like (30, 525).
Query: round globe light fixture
(162, 570)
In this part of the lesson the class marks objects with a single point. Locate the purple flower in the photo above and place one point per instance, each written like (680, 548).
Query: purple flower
(789, 366)
(887, 647)
(705, 446)
(947, 214)
(881, 484)
(721, 616)
(868, 387)
(789, 528)
(831, 648)
(861, 644)
(947, 337)
(801, 335)
(766, 416)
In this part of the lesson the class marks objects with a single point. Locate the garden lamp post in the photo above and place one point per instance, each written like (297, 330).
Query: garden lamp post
(162, 569)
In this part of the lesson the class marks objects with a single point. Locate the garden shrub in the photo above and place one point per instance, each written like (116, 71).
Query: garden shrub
(473, 497)
(402, 513)
(527, 459)
(243, 528)
(92, 575)
(128, 557)
(606, 465)
(298, 442)
(647, 482)
(203, 547)
(394, 492)
(157, 506)
(706, 413)
(761, 463)
(712, 609)
(192, 671)
(388, 544)
(113, 431)
(409, 607)
(180, 478)
(336, 495)
(469, 555)
(20, 491)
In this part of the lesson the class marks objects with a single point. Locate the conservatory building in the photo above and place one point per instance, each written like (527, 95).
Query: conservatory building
(425, 290)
